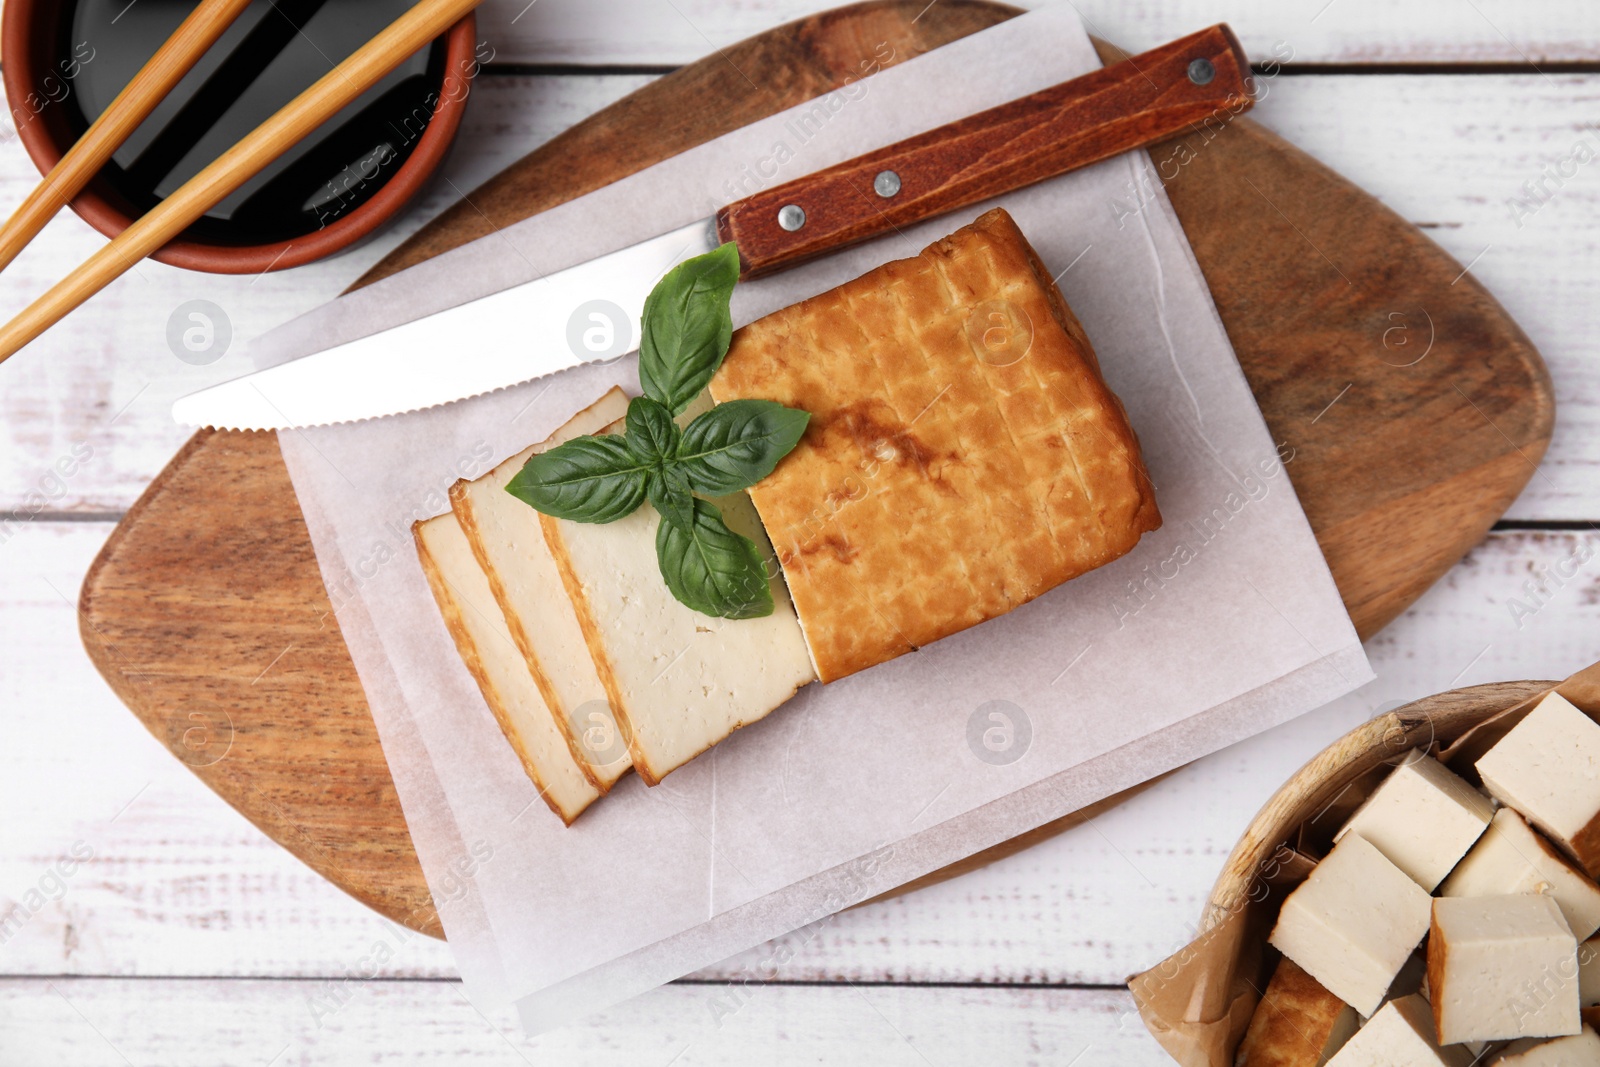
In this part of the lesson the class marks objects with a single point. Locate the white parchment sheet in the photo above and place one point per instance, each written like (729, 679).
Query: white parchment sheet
(1222, 624)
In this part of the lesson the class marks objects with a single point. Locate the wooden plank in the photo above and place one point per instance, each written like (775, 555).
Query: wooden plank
(171, 866)
(88, 1022)
(1319, 31)
(1471, 141)
(180, 884)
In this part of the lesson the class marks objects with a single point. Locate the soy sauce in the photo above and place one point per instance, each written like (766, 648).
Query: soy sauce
(273, 51)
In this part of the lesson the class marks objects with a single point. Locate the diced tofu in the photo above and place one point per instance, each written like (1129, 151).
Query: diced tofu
(1298, 1022)
(510, 547)
(1400, 1034)
(1548, 768)
(678, 680)
(1501, 968)
(1589, 972)
(1423, 818)
(1510, 858)
(1580, 1050)
(1353, 923)
(479, 630)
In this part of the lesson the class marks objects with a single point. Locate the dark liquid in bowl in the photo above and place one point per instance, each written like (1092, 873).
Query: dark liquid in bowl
(272, 52)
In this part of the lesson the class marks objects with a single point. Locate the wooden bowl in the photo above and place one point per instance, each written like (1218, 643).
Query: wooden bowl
(28, 37)
(1326, 780)
(1198, 1001)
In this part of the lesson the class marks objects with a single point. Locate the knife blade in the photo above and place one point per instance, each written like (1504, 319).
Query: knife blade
(590, 311)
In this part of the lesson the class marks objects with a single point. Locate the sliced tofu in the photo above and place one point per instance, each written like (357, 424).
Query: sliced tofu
(481, 636)
(1423, 818)
(1400, 1035)
(1511, 858)
(1501, 968)
(509, 543)
(1579, 1050)
(1298, 1022)
(1548, 768)
(1353, 923)
(679, 681)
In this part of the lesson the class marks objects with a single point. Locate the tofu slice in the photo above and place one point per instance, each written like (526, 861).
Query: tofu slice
(1548, 768)
(1575, 1051)
(1501, 968)
(1353, 923)
(509, 544)
(678, 680)
(481, 636)
(1423, 818)
(1298, 1022)
(1400, 1035)
(1511, 858)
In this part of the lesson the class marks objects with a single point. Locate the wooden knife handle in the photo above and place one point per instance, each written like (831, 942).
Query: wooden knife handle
(1142, 100)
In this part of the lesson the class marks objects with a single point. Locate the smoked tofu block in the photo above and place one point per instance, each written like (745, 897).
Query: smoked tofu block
(964, 454)
(1511, 858)
(1353, 923)
(678, 680)
(1298, 1023)
(481, 636)
(1400, 1035)
(509, 544)
(1579, 1050)
(1548, 768)
(1423, 818)
(1501, 968)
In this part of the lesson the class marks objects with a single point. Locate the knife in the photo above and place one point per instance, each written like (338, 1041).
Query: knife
(539, 327)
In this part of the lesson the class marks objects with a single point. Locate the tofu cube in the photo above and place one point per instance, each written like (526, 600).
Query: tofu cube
(1575, 1051)
(1589, 973)
(1510, 858)
(1423, 818)
(1298, 1022)
(1548, 768)
(1400, 1035)
(1501, 968)
(1353, 923)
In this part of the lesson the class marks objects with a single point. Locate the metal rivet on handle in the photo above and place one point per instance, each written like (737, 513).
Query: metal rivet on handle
(1201, 71)
(886, 184)
(791, 217)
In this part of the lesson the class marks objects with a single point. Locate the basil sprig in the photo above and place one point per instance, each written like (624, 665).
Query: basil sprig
(687, 330)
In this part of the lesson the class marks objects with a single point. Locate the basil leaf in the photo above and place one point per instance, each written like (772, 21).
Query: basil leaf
(711, 569)
(687, 327)
(652, 435)
(735, 445)
(588, 479)
(669, 494)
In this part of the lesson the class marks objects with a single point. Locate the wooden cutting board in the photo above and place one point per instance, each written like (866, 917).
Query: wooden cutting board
(1414, 407)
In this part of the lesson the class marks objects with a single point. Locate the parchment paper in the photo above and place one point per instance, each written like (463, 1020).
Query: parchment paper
(1220, 625)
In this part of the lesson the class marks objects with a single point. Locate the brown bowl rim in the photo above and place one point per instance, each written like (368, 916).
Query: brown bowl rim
(18, 73)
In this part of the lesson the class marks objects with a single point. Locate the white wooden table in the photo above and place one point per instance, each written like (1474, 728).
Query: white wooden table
(188, 937)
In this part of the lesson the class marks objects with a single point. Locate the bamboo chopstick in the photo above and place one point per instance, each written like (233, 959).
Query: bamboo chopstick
(106, 134)
(324, 99)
